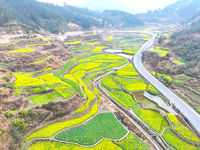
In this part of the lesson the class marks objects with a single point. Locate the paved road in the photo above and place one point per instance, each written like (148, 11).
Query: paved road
(184, 108)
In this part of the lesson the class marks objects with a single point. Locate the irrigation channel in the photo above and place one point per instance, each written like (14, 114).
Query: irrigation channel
(179, 105)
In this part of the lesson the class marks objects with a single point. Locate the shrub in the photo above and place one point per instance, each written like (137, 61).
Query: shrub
(8, 114)
(6, 78)
(10, 86)
(23, 113)
(19, 124)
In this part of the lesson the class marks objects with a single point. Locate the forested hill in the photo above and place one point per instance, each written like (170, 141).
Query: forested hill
(183, 11)
(54, 18)
(121, 18)
(186, 44)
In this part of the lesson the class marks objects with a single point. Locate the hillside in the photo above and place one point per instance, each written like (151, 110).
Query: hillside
(176, 56)
(180, 12)
(108, 5)
(186, 45)
(51, 17)
(121, 19)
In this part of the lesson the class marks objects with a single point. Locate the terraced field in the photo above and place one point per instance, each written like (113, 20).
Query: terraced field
(102, 126)
(93, 125)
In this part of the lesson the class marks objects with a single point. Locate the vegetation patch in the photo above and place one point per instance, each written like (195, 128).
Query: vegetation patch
(103, 57)
(162, 76)
(179, 81)
(127, 71)
(85, 35)
(24, 81)
(52, 129)
(155, 120)
(66, 92)
(72, 43)
(65, 67)
(38, 44)
(44, 98)
(21, 50)
(98, 48)
(49, 79)
(131, 84)
(43, 88)
(110, 38)
(125, 99)
(90, 96)
(74, 84)
(175, 142)
(146, 102)
(41, 61)
(179, 62)
(92, 43)
(178, 127)
(129, 52)
(102, 126)
(161, 52)
(131, 142)
(107, 81)
(103, 145)
(152, 89)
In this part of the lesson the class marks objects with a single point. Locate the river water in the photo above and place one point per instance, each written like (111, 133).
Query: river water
(119, 53)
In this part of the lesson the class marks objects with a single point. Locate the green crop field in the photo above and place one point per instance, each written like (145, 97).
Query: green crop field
(152, 118)
(74, 84)
(52, 129)
(88, 79)
(43, 88)
(102, 126)
(178, 127)
(44, 98)
(65, 67)
(177, 143)
(131, 142)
